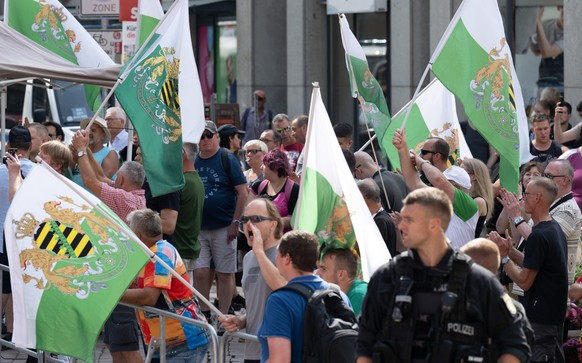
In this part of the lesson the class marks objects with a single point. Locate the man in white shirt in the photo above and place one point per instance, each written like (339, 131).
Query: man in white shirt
(116, 119)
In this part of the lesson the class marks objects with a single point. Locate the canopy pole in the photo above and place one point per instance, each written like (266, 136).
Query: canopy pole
(3, 105)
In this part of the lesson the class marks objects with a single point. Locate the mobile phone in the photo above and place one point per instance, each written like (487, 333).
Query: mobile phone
(12, 151)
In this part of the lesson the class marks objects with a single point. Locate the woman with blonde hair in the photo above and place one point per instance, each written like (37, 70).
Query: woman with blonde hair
(56, 155)
(255, 150)
(481, 190)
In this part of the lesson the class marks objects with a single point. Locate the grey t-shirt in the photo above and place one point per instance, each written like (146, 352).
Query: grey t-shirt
(256, 293)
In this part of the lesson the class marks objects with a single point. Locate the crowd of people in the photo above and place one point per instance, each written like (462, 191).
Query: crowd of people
(233, 217)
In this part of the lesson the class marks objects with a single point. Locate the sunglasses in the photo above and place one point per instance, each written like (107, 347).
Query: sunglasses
(253, 151)
(424, 152)
(286, 129)
(207, 135)
(261, 98)
(254, 220)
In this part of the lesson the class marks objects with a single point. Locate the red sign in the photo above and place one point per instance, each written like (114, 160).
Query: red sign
(128, 10)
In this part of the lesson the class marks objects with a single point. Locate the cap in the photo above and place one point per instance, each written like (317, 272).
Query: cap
(459, 176)
(211, 126)
(99, 122)
(229, 130)
(18, 135)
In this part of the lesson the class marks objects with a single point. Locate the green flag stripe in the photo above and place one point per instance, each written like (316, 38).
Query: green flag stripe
(457, 72)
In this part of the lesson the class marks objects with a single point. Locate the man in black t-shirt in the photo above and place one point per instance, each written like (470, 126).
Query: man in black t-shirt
(541, 271)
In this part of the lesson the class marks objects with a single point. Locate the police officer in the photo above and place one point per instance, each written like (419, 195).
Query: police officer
(431, 303)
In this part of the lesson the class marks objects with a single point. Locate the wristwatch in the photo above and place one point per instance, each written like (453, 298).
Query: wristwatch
(518, 220)
(504, 260)
(81, 153)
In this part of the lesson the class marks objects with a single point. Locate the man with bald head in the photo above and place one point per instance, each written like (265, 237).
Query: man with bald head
(393, 183)
(540, 270)
(436, 151)
(39, 135)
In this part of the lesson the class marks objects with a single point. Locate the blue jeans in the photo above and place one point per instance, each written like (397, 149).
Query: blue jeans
(197, 355)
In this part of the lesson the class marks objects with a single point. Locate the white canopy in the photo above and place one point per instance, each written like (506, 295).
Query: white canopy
(20, 57)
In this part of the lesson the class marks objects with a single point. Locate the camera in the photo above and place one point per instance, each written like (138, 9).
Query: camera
(11, 151)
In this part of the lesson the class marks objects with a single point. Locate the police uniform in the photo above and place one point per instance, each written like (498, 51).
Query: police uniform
(413, 313)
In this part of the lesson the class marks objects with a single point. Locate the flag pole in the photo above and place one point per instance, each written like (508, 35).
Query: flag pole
(306, 148)
(127, 68)
(370, 139)
(415, 96)
(134, 238)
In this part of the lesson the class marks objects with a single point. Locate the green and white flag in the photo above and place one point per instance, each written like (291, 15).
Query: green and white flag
(149, 14)
(474, 62)
(161, 94)
(330, 203)
(363, 85)
(433, 114)
(51, 25)
(69, 264)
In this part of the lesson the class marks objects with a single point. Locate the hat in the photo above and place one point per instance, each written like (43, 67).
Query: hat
(229, 130)
(99, 122)
(18, 135)
(459, 176)
(211, 126)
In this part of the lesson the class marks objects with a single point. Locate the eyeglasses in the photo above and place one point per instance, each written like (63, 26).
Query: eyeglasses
(253, 151)
(286, 129)
(266, 140)
(207, 135)
(424, 152)
(261, 98)
(550, 176)
(525, 194)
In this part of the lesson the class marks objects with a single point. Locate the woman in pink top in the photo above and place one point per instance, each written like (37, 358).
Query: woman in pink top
(277, 186)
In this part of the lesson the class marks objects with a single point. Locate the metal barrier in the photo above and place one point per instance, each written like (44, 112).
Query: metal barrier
(212, 341)
(224, 338)
(212, 336)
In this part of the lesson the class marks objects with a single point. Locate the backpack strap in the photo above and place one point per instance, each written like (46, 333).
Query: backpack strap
(262, 186)
(288, 189)
(298, 288)
(243, 122)
(225, 162)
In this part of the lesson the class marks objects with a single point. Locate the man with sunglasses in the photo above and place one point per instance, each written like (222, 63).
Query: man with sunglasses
(540, 270)
(436, 151)
(454, 181)
(256, 119)
(289, 144)
(226, 192)
(263, 227)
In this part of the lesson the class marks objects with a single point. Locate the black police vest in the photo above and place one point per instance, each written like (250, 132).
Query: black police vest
(426, 317)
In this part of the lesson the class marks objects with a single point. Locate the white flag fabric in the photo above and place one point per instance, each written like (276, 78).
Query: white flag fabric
(474, 62)
(71, 258)
(330, 203)
(433, 114)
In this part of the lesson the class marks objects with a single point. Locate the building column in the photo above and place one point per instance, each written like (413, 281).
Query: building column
(262, 52)
(306, 42)
(572, 51)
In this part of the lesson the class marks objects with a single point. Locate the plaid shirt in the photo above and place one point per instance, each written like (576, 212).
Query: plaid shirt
(121, 201)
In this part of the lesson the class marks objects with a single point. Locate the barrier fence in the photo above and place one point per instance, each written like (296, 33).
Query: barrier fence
(216, 346)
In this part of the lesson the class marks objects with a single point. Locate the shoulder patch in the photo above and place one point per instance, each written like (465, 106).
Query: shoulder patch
(509, 304)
